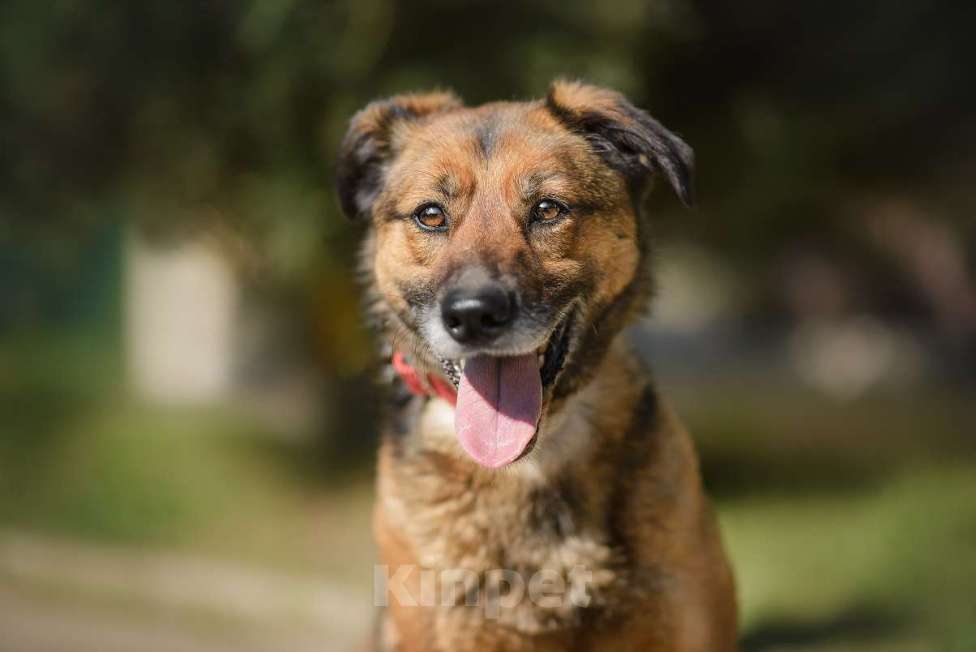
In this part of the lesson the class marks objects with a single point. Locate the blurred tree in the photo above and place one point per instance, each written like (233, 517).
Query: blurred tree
(226, 115)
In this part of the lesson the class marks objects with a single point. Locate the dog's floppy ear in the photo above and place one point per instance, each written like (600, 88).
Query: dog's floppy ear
(627, 138)
(368, 145)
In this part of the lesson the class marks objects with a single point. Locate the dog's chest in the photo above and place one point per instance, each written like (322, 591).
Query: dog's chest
(515, 553)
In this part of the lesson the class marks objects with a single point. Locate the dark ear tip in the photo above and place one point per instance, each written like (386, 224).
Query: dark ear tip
(358, 168)
(683, 170)
(348, 178)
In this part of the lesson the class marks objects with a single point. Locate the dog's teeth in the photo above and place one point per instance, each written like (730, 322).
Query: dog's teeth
(451, 370)
(542, 359)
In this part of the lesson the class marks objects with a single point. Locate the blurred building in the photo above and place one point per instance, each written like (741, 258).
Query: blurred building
(180, 305)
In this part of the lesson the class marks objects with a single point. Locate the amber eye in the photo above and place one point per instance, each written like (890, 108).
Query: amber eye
(548, 210)
(431, 217)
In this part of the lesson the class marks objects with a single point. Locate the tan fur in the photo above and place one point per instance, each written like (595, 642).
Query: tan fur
(613, 485)
(677, 594)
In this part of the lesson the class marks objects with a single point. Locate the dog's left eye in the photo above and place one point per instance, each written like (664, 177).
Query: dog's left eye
(548, 210)
(431, 217)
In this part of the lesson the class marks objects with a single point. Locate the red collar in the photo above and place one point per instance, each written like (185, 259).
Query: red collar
(434, 386)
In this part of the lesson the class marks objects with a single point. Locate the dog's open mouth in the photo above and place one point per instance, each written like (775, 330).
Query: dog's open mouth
(500, 398)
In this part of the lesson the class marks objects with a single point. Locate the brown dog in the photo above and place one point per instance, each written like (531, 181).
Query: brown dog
(558, 504)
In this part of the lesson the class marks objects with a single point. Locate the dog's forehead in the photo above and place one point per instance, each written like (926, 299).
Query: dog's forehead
(517, 141)
(490, 131)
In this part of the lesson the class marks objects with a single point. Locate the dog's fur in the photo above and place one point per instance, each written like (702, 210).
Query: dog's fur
(612, 484)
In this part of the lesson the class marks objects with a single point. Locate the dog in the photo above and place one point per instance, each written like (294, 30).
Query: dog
(505, 253)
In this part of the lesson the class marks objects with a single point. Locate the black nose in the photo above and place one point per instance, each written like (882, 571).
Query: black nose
(479, 315)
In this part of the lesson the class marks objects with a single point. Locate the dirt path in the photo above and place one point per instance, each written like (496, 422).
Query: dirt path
(58, 597)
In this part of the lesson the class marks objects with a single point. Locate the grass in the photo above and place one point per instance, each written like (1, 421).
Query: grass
(81, 458)
(881, 565)
(200, 480)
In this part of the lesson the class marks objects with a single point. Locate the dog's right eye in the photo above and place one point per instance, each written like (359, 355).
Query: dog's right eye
(431, 217)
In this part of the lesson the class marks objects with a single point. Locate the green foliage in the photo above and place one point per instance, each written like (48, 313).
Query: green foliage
(190, 112)
(895, 561)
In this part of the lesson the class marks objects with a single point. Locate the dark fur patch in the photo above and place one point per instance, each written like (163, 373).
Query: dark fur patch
(594, 340)
(447, 186)
(486, 135)
(403, 414)
(555, 509)
(416, 294)
(358, 174)
(633, 454)
(632, 142)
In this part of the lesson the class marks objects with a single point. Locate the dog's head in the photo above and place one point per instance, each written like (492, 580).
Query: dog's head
(506, 245)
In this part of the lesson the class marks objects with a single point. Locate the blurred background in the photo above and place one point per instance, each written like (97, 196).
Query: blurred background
(187, 399)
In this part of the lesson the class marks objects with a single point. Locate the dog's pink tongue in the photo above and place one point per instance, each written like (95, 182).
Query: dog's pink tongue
(498, 405)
